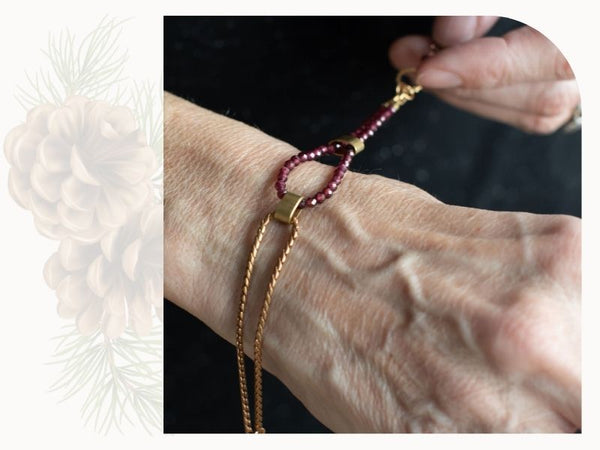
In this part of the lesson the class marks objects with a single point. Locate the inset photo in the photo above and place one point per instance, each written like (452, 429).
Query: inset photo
(371, 225)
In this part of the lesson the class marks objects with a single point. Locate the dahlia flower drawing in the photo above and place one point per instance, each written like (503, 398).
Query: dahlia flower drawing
(81, 168)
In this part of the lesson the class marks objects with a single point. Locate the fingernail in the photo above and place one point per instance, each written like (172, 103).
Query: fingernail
(438, 79)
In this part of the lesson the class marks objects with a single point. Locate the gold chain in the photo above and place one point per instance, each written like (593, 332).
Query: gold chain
(260, 329)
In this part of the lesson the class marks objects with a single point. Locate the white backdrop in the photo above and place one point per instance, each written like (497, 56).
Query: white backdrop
(29, 414)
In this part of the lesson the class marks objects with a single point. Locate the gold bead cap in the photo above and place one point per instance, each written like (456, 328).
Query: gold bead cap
(287, 208)
(348, 139)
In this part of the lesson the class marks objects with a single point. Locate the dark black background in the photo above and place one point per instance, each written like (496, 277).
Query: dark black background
(305, 80)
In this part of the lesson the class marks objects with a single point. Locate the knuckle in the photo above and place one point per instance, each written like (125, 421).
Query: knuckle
(568, 231)
(521, 337)
(562, 68)
(495, 75)
(517, 338)
(553, 102)
(539, 124)
(560, 251)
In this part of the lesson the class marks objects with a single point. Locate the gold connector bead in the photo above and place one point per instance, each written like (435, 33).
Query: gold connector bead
(287, 208)
(348, 139)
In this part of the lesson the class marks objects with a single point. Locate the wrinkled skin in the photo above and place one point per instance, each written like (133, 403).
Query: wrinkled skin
(395, 312)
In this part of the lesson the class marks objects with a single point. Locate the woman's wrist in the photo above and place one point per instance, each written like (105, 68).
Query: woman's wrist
(219, 177)
(209, 225)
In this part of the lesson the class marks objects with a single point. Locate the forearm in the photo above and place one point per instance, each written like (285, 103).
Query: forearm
(215, 191)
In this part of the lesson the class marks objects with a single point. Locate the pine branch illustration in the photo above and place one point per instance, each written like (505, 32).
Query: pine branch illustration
(124, 377)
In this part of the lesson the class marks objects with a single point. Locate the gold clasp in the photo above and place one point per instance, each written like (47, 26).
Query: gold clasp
(404, 91)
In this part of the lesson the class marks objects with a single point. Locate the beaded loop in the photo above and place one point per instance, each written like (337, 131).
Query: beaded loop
(341, 148)
(302, 157)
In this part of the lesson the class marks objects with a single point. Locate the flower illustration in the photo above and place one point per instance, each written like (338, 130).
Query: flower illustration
(81, 168)
(113, 282)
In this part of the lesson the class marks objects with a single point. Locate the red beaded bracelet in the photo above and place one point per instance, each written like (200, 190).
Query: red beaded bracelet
(287, 211)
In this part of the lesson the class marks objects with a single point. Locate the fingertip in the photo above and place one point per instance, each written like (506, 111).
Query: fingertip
(408, 51)
(454, 30)
(485, 24)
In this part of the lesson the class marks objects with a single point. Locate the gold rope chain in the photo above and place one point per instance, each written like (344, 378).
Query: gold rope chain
(260, 329)
(286, 212)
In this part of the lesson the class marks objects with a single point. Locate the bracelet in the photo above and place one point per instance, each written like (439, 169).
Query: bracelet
(287, 212)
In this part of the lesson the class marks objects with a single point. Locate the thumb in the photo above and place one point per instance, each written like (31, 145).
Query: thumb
(520, 56)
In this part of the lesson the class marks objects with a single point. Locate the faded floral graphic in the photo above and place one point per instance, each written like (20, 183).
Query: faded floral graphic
(81, 168)
(86, 163)
(114, 282)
